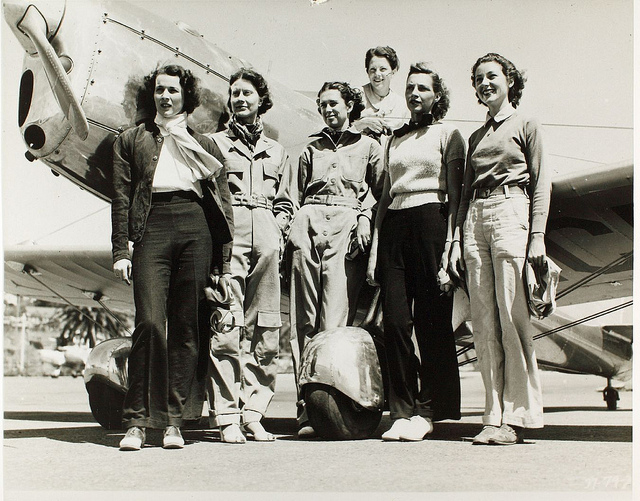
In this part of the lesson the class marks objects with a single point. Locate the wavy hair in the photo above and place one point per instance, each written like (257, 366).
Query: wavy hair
(260, 84)
(190, 89)
(441, 106)
(348, 93)
(510, 71)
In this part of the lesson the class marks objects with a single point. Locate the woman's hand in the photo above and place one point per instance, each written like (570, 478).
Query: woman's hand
(122, 270)
(444, 260)
(456, 261)
(363, 233)
(371, 124)
(371, 267)
(537, 250)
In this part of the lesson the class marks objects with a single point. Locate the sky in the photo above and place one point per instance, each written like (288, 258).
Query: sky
(577, 55)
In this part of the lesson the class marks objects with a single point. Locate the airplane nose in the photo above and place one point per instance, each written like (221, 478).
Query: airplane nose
(35, 26)
(51, 11)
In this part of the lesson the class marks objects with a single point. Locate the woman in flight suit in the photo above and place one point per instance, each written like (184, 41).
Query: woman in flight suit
(337, 171)
(244, 360)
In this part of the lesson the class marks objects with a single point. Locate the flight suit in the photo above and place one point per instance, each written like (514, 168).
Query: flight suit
(333, 184)
(243, 362)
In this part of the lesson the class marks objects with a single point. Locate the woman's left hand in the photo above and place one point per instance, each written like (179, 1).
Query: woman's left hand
(537, 250)
(363, 233)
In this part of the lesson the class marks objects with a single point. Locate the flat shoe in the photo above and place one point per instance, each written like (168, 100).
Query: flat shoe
(393, 433)
(133, 439)
(485, 435)
(232, 434)
(172, 438)
(416, 430)
(306, 431)
(507, 435)
(257, 431)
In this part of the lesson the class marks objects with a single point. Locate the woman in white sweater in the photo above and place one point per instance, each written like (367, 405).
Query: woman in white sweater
(424, 163)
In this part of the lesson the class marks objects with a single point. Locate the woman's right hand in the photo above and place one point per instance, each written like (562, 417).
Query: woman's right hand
(456, 261)
(122, 270)
(371, 268)
(371, 124)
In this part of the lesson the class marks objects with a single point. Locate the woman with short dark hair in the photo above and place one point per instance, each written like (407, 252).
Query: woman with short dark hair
(244, 359)
(337, 172)
(501, 222)
(424, 161)
(172, 201)
(384, 109)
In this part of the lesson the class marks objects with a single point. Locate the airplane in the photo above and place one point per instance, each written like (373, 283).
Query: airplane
(83, 63)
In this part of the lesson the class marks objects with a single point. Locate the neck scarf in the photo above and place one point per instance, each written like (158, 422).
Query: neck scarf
(248, 134)
(425, 121)
(202, 164)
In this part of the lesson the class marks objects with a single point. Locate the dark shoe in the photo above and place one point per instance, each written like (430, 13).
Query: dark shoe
(485, 435)
(133, 439)
(172, 438)
(508, 435)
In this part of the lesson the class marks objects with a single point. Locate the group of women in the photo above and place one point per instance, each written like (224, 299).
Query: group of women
(385, 176)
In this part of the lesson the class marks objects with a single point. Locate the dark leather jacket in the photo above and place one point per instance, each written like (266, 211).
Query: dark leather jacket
(135, 157)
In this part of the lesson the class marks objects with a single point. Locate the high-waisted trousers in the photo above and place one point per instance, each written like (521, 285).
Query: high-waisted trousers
(170, 269)
(410, 247)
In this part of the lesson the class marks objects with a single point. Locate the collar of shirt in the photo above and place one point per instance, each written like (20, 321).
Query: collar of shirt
(502, 115)
(425, 121)
(350, 130)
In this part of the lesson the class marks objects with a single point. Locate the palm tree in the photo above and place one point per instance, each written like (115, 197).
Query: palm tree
(88, 325)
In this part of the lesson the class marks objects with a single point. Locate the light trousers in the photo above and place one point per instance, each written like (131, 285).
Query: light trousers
(496, 234)
(244, 362)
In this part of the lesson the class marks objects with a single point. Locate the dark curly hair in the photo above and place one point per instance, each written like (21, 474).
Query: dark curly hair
(510, 71)
(258, 81)
(348, 93)
(380, 51)
(441, 106)
(188, 82)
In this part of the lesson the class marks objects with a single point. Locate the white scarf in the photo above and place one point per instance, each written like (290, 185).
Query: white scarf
(203, 165)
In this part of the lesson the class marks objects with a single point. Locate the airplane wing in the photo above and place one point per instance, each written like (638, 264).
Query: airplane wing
(590, 233)
(81, 277)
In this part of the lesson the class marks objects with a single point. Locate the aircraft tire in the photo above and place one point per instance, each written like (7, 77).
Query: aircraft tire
(611, 396)
(106, 404)
(335, 416)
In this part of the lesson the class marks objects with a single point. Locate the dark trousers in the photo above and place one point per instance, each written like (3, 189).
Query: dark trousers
(411, 244)
(170, 269)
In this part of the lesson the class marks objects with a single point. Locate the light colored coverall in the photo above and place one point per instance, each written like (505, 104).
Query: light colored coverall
(243, 364)
(333, 182)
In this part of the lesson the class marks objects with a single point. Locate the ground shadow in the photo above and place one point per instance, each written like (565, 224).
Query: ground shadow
(285, 429)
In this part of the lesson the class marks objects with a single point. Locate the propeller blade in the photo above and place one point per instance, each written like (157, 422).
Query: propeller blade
(34, 26)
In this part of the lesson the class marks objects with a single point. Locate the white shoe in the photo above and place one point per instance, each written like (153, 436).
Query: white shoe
(417, 429)
(172, 438)
(133, 439)
(393, 433)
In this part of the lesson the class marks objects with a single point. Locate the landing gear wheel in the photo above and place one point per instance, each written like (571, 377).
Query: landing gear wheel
(106, 404)
(611, 396)
(335, 416)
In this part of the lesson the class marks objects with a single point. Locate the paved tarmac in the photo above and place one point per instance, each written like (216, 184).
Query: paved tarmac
(53, 449)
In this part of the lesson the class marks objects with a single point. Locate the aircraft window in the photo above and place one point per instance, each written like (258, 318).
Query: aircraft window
(26, 94)
(35, 137)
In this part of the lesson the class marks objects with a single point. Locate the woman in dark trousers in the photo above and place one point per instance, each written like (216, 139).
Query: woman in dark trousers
(424, 162)
(172, 201)
(501, 221)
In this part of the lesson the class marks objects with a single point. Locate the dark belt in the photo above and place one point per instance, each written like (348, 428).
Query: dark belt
(506, 189)
(335, 200)
(174, 196)
(252, 201)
